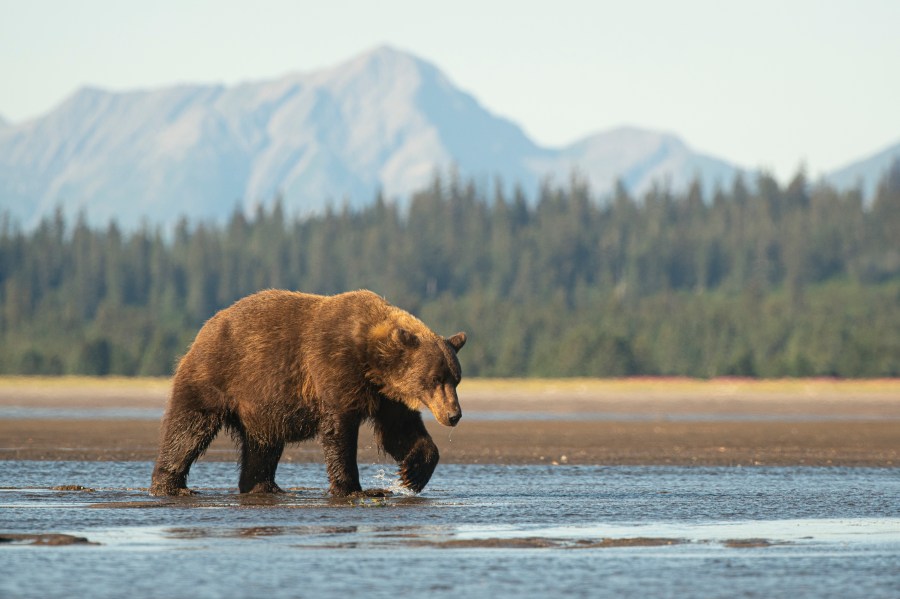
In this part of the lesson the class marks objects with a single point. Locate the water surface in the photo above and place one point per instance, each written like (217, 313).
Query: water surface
(477, 531)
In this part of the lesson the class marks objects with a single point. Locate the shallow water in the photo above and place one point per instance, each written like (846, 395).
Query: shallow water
(477, 531)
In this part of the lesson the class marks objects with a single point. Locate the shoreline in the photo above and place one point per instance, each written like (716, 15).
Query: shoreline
(725, 443)
(721, 422)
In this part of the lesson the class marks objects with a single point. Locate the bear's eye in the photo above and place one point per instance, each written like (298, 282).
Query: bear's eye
(436, 381)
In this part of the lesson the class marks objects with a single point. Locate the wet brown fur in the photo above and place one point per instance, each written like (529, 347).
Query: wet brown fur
(280, 367)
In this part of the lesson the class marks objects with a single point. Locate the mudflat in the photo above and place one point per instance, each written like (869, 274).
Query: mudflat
(644, 421)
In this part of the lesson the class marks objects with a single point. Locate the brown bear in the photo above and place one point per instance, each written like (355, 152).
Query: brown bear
(279, 367)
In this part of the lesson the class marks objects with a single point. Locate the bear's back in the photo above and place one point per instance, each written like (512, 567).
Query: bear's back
(267, 314)
(238, 341)
(274, 326)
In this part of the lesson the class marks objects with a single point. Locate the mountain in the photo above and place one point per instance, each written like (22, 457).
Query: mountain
(638, 158)
(865, 173)
(385, 120)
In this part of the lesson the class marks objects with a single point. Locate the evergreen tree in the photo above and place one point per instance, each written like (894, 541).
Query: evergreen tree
(758, 280)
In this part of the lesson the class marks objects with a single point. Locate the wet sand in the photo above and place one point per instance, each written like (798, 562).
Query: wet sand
(616, 422)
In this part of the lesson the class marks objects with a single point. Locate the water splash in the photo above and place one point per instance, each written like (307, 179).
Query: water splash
(390, 482)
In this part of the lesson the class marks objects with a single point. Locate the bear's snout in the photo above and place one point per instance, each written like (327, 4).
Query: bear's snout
(444, 404)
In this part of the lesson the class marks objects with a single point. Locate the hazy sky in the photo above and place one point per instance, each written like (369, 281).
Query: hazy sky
(769, 84)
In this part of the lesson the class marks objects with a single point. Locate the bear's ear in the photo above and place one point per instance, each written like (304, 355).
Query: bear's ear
(404, 337)
(457, 341)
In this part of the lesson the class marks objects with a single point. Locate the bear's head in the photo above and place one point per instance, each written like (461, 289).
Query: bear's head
(414, 366)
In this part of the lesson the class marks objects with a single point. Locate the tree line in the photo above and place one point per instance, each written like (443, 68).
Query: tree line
(756, 279)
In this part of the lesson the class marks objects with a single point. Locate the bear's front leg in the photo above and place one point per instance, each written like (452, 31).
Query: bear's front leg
(339, 434)
(401, 433)
(258, 465)
(419, 464)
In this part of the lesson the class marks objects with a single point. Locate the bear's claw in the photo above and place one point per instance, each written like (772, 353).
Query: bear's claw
(158, 491)
(267, 487)
(414, 480)
(380, 493)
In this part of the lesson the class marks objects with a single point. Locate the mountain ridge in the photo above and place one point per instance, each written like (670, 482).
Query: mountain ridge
(385, 120)
(865, 173)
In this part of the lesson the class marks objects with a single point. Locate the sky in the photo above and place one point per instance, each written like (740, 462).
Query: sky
(764, 84)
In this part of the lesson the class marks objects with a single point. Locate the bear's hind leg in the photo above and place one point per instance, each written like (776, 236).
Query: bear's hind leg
(258, 465)
(187, 431)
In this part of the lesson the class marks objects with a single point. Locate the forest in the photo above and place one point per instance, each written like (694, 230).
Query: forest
(754, 279)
